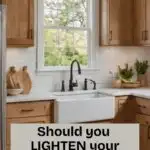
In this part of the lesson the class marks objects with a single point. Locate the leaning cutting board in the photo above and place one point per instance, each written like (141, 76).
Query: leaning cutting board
(25, 80)
(13, 79)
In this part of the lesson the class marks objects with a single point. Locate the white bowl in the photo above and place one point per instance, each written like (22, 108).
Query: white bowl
(14, 92)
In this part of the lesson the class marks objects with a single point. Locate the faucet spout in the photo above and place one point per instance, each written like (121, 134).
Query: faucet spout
(71, 83)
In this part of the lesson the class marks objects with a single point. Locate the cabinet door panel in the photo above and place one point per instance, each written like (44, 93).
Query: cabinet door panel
(148, 139)
(143, 137)
(19, 22)
(147, 31)
(42, 119)
(125, 110)
(120, 22)
(139, 22)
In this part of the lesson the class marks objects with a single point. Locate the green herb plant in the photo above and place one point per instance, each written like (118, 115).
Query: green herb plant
(141, 67)
(125, 74)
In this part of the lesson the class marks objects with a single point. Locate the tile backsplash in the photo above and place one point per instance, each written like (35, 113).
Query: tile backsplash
(107, 60)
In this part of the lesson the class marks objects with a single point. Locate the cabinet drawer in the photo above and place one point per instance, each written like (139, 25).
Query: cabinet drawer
(30, 109)
(42, 119)
(143, 119)
(143, 106)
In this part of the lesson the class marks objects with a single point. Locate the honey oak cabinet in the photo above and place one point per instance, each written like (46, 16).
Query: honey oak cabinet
(144, 122)
(124, 23)
(28, 112)
(116, 22)
(125, 110)
(20, 23)
(139, 22)
(130, 109)
(142, 22)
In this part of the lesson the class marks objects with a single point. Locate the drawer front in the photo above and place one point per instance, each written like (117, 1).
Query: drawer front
(143, 106)
(143, 119)
(30, 109)
(42, 119)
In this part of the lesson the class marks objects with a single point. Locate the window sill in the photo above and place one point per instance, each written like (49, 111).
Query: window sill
(49, 70)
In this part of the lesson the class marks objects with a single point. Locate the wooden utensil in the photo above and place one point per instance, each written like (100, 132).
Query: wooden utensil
(25, 80)
(13, 80)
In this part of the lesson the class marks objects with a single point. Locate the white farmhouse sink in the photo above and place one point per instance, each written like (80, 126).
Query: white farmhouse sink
(83, 106)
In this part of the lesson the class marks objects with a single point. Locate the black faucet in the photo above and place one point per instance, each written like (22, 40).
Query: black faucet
(85, 84)
(71, 83)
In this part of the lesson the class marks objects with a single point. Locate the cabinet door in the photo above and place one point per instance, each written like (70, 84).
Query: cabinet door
(143, 137)
(125, 110)
(139, 22)
(144, 121)
(120, 22)
(42, 119)
(19, 23)
(147, 31)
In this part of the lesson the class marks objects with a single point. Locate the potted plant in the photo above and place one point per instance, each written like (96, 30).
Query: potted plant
(141, 68)
(125, 74)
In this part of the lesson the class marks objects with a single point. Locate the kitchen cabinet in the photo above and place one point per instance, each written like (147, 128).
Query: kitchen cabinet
(20, 23)
(144, 122)
(39, 119)
(141, 22)
(143, 137)
(125, 109)
(147, 28)
(28, 112)
(130, 109)
(116, 22)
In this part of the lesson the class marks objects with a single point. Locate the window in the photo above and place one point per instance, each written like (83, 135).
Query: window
(66, 33)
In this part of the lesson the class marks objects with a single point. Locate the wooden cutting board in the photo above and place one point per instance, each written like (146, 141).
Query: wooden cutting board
(25, 79)
(13, 80)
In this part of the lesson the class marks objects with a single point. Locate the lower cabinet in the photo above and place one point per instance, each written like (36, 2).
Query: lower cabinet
(125, 110)
(39, 119)
(144, 121)
(31, 112)
(135, 110)
(143, 137)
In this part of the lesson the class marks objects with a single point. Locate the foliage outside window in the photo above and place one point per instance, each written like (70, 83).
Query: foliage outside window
(66, 32)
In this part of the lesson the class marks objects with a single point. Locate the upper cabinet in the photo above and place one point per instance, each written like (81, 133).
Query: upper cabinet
(124, 22)
(20, 23)
(139, 22)
(116, 22)
(142, 22)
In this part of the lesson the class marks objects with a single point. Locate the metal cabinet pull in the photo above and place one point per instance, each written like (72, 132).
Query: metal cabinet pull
(30, 34)
(27, 110)
(143, 35)
(110, 35)
(146, 35)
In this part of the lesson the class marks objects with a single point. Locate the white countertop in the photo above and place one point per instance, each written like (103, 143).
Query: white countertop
(34, 96)
(140, 92)
(43, 95)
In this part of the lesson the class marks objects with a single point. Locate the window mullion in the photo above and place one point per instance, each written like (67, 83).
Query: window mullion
(65, 28)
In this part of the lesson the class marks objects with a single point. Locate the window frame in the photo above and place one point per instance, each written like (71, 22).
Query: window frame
(90, 43)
